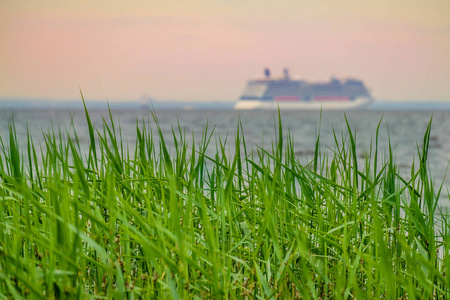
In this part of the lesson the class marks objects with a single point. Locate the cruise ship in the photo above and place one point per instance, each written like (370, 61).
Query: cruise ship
(287, 93)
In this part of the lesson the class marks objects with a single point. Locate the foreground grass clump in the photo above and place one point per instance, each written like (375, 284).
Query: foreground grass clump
(153, 222)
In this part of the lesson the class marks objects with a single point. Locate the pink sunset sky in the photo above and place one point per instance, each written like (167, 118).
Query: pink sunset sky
(207, 50)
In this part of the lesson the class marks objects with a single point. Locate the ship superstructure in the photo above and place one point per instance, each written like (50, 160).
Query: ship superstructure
(285, 92)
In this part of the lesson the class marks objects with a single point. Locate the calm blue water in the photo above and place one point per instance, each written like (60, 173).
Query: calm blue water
(405, 129)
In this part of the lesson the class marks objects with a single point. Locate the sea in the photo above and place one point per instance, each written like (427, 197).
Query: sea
(401, 128)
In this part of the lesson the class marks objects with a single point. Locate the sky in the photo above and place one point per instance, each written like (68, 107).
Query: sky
(203, 50)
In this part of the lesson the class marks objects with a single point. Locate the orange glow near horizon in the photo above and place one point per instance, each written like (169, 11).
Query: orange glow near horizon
(203, 50)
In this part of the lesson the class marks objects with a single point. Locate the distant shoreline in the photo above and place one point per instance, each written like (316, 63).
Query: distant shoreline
(192, 105)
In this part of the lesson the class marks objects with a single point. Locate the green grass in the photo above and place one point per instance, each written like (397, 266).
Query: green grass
(149, 222)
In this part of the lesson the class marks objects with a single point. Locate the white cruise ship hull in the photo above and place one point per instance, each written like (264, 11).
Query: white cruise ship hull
(303, 105)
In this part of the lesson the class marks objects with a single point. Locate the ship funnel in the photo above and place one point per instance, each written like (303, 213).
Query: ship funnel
(267, 73)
